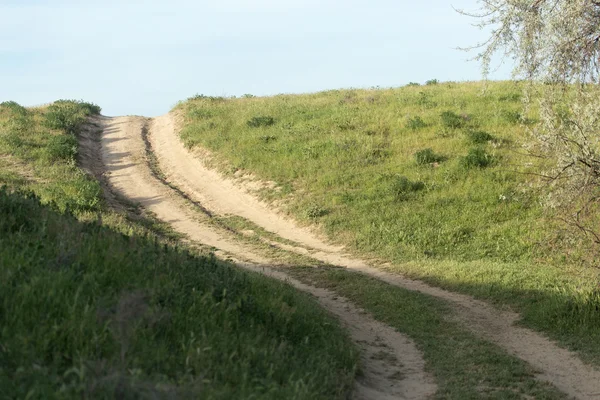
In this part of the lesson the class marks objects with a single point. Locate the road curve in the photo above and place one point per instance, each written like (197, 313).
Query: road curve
(128, 174)
(185, 169)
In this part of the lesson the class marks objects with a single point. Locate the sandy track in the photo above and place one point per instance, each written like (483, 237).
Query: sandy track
(399, 375)
(186, 170)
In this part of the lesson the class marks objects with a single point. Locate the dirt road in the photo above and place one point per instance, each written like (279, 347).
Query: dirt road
(556, 365)
(125, 159)
(129, 175)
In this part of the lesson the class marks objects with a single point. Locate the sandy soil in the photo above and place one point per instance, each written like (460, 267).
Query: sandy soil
(399, 374)
(220, 195)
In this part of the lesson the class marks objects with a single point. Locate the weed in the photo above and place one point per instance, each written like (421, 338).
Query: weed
(14, 107)
(415, 123)
(201, 113)
(513, 117)
(69, 115)
(512, 97)
(425, 100)
(315, 211)
(346, 126)
(478, 158)
(212, 99)
(402, 188)
(428, 156)
(376, 155)
(479, 137)
(260, 121)
(268, 138)
(452, 120)
(62, 148)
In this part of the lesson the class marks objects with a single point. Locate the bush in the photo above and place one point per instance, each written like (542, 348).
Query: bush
(432, 82)
(267, 138)
(213, 99)
(415, 123)
(452, 120)
(85, 107)
(513, 117)
(428, 156)
(478, 158)
(14, 107)
(69, 115)
(511, 97)
(479, 137)
(413, 84)
(425, 100)
(402, 187)
(315, 211)
(257, 122)
(62, 147)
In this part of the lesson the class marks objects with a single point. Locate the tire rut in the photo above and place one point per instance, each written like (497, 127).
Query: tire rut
(126, 162)
(556, 365)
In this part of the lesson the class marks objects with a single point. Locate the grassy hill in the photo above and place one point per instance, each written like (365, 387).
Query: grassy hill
(95, 304)
(432, 178)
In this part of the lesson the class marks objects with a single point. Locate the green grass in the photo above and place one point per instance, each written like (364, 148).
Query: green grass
(106, 310)
(464, 366)
(341, 150)
(43, 142)
(432, 178)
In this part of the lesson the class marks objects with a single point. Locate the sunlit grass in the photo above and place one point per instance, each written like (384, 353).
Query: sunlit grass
(433, 179)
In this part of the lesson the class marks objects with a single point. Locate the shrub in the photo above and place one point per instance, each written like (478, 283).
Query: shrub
(14, 107)
(69, 115)
(62, 147)
(376, 155)
(413, 84)
(428, 156)
(267, 138)
(513, 117)
(201, 113)
(315, 211)
(479, 137)
(510, 97)
(452, 120)
(478, 158)
(432, 82)
(402, 187)
(85, 107)
(91, 108)
(415, 123)
(425, 100)
(257, 122)
(13, 140)
(214, 99)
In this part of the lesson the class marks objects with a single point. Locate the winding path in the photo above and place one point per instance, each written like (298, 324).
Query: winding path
(556, 365)
(128, 173)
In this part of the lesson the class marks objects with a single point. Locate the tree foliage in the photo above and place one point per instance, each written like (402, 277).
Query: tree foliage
(556, 47)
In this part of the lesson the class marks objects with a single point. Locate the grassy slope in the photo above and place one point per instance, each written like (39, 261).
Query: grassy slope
(346, 160)
(88, 311)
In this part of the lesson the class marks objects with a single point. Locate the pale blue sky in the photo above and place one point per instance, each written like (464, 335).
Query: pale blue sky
(142, 56)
